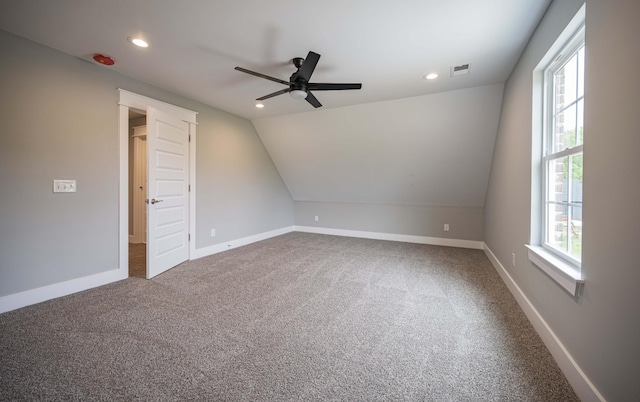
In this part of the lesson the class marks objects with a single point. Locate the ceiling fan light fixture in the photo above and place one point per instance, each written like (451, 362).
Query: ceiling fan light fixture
(259, 105)
(298, 94)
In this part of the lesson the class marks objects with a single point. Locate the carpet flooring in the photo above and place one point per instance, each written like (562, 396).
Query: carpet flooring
(296, 317)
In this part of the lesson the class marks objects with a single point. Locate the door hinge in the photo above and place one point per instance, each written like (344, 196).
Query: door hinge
(189, 137)
(189, 187)
(189, 236)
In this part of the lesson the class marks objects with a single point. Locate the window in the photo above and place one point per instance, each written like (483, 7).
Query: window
(557, 157)
(562, 152)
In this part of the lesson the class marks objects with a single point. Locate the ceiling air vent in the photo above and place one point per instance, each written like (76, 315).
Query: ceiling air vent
(462, 69)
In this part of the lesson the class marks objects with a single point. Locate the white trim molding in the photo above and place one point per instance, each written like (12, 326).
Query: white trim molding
(29, 297)
(563, 273)
(581, 384)
(38, 295)
(141, 103)
(434, 241)
(192, 189)
(218, 248)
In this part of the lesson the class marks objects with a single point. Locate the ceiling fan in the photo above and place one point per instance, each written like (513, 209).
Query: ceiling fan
(299, 85)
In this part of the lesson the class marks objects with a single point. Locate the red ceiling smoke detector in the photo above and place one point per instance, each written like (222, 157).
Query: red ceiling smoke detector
(102, 59)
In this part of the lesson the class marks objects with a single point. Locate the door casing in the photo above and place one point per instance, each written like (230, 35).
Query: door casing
(139, 187)
(129, 100)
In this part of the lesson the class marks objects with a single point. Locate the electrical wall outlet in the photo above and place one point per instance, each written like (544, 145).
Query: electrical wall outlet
(513, 259)
(446, 227)
(213, 232)
(316, 218)
(64, 186)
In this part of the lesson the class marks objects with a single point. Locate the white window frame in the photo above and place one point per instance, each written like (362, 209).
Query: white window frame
(559, 266)
(559, 61)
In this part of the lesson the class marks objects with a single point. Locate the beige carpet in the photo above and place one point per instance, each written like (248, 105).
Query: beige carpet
(296, 317)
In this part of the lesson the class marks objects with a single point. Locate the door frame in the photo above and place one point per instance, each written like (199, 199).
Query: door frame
(129, 100)
(139, 180)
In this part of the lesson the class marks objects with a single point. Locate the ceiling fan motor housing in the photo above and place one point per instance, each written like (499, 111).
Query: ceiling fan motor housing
(297, 61)
(298, 86)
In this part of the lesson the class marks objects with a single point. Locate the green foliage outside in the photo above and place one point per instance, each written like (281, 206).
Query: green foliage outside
(569, 138)
(576, 241)
(570, 232)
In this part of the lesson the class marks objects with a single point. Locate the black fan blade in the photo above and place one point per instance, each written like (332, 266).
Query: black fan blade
(266, 77)
(283, 91)
(312, 100)
(332, 87)
(309, 64)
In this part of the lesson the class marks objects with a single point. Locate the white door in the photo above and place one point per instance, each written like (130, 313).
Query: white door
(168, 182)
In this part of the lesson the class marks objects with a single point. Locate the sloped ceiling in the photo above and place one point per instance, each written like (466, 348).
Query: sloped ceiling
(401, 139)
(427, 150)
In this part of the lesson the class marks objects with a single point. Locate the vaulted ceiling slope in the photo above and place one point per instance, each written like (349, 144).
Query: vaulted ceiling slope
(427, 150)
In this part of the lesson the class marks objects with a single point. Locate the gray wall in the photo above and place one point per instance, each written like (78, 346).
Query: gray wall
(242, 193)
(433, 149)
(600, 329)
(59, 120)
(465, 223)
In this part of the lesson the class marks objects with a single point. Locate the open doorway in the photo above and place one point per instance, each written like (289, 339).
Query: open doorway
(137, 194)
(170, 190)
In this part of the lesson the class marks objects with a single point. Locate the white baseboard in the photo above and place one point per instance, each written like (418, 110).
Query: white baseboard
(218, 248)
(434, 241)
(583, 387)
(38, 295)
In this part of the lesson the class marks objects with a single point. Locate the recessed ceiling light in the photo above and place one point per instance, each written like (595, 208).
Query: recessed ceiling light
(138, 42)
(431, 76)
(259, 105)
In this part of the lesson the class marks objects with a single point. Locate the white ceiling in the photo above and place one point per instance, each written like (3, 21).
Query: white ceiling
(388, 46)
(401, 139)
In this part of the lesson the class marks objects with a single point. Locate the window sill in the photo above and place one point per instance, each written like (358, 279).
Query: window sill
(560, 271)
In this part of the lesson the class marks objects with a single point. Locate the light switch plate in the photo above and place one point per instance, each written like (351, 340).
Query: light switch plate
(64, 186)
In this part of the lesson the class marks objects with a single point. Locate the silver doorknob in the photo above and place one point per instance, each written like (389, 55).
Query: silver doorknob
(154, 201)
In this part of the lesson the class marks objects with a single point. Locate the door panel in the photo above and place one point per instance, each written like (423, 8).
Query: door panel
(168, 222)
